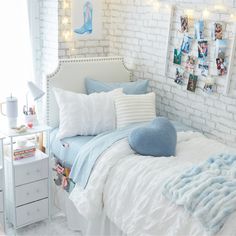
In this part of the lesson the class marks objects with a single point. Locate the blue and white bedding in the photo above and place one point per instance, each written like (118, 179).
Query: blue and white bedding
(67, 151)
(128, 187)
(88, 155)
(207, 191)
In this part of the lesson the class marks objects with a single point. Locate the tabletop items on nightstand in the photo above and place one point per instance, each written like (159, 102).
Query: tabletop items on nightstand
(27, 177)
(9, 108)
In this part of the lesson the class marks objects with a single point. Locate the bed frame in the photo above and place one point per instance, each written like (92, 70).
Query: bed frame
(70, 75)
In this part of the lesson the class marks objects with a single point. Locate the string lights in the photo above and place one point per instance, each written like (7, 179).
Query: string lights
(189, 13)
(157, 5)
(205, 14)
(65, 20)
(217, 8)
(66, 5)
(66, 31)
(67, 35)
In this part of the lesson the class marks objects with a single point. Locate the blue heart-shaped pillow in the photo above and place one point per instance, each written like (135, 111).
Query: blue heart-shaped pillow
(157, 139)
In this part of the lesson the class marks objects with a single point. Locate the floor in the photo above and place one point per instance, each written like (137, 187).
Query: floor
(56, 227)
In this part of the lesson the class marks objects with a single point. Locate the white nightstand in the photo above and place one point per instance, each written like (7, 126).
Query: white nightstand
(2, 184)
(27, 183)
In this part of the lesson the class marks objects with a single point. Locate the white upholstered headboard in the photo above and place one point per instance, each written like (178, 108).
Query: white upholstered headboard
(70, 75)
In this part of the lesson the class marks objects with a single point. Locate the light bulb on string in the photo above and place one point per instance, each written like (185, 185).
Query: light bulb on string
(205, 14)
(156, 6)
(65, 5)
(189, 13)
(65, 20)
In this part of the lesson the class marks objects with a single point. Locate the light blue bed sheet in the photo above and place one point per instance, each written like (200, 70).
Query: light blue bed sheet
(67, 154)
(67, 149)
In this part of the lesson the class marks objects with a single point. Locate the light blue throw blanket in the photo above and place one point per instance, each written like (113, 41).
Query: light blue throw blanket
(90, 152)
(206, 191)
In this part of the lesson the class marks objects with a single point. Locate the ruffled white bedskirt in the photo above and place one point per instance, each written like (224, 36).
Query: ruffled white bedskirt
(100, 226)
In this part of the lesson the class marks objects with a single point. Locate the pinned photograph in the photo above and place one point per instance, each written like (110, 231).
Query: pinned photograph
(204, 68)
(199, 29)
(220, 50)
(186, 44)
(190, 63)
(209, 86)
(217, 30)
(179, 76)
(192, 82)
(221, 66)
(177, 57)
(184, 24)
(202, 49)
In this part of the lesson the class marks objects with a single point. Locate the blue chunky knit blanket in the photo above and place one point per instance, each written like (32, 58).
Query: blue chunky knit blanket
(206, 191)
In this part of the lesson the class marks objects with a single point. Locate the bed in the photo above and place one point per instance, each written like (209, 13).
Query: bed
(124, 191)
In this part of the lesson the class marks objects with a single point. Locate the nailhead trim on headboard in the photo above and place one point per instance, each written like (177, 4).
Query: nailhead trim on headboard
(76, 60)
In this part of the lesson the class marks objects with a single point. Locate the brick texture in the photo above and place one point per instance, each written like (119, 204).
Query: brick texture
(137, 30)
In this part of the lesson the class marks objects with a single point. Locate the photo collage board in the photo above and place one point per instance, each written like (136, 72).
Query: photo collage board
(199, 52)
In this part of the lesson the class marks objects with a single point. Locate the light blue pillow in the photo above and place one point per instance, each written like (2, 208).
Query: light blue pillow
(137, 87)
(156, 139)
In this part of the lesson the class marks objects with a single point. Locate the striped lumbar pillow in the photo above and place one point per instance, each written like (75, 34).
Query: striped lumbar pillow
(134, 108)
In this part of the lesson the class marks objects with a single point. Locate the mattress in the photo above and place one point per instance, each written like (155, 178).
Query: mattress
(67, 149)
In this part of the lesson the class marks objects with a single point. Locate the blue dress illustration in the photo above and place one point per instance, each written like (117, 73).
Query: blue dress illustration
(87, 28)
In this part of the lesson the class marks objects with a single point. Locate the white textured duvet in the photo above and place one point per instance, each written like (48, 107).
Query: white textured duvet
(129, 188)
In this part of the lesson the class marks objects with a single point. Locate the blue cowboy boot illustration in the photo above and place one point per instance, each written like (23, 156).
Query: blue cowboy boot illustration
(87, 28)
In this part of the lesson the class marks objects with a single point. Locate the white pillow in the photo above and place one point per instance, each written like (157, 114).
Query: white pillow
(82, 114)
(135, 108)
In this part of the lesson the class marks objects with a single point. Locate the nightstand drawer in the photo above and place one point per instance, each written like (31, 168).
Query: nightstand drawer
(31, 213)
(1, 201)
(31, 172)
(31, 192)
(1, 179)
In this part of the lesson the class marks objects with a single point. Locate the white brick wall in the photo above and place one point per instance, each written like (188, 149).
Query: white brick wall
(136, 30)
(48, 35)
(215, 115)
(48, 55)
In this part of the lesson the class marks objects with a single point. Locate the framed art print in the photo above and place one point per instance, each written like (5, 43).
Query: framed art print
(86, 19)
